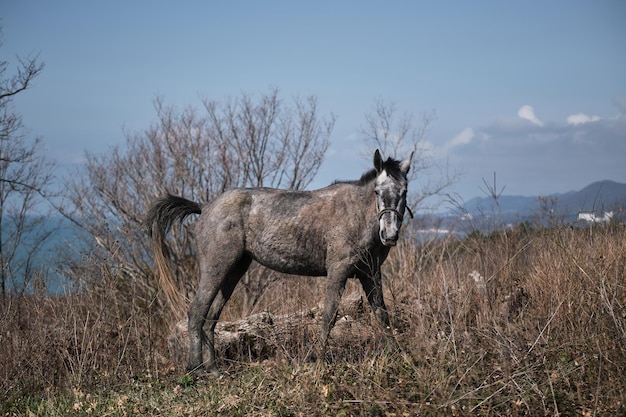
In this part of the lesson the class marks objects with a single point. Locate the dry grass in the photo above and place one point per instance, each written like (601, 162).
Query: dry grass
(523, 322)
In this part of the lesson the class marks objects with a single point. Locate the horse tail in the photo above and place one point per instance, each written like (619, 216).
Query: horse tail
(160, 217)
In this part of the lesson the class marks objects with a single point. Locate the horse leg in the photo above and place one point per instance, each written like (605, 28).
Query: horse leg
(331, 304)
(197, 312)
(223, 295)
(372, 285)
(218, 277)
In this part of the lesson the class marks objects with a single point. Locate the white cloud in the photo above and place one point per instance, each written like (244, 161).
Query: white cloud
(463, 138)
(527, 112)
(581, 118)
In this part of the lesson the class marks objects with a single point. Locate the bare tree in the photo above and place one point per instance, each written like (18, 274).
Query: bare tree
(397, 135)
(266, 143)
(247, 141)
(25, 181)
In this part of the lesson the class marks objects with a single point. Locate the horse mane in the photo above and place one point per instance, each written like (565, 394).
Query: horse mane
(391, 166)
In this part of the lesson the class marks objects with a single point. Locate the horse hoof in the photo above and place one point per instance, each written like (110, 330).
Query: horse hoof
(201, 372)
(214, 372)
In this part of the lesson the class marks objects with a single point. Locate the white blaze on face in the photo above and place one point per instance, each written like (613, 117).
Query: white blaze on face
(380, 180)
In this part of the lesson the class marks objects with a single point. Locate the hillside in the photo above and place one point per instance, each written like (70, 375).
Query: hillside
(487, 215)
(599, 196)
(520, 323)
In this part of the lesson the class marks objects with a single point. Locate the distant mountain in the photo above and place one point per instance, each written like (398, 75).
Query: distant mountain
(598, 197)
(505, 204)
(486, 215)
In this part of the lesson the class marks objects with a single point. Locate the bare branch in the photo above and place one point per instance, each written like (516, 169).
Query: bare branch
(25, 183)
(28, 69)
(397, 135)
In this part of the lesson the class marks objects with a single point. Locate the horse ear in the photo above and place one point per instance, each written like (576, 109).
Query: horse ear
(378, 161)
(405, 165)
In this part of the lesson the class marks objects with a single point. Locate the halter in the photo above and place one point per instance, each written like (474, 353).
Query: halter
(382, 212)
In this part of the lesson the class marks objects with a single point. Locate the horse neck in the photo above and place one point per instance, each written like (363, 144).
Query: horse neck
(359, 197)
(369, 200)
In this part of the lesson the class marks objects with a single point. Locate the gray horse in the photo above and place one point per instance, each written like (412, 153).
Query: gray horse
(344, 230)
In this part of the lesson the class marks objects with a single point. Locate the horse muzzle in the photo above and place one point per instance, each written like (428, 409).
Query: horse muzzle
(389, 239)
(389, 226)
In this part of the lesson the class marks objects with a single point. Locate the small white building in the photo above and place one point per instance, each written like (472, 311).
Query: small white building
(591, 217)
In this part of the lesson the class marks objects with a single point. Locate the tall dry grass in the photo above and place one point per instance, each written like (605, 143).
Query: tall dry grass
(102, 336)
(519, 322)
(531, 319)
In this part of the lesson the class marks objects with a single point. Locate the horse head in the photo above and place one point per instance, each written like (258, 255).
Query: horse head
(390, 188)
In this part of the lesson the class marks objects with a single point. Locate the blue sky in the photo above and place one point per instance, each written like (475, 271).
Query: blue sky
(534, 91)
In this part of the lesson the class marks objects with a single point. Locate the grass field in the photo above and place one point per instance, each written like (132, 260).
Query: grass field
(523, 322)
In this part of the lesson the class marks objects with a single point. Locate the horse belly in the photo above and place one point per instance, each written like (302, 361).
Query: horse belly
(292, 266)
(291, 254)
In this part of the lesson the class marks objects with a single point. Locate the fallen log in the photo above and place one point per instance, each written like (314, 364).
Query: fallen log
(260, 336)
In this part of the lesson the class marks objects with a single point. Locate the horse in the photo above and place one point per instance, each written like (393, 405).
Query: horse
(342, 231)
